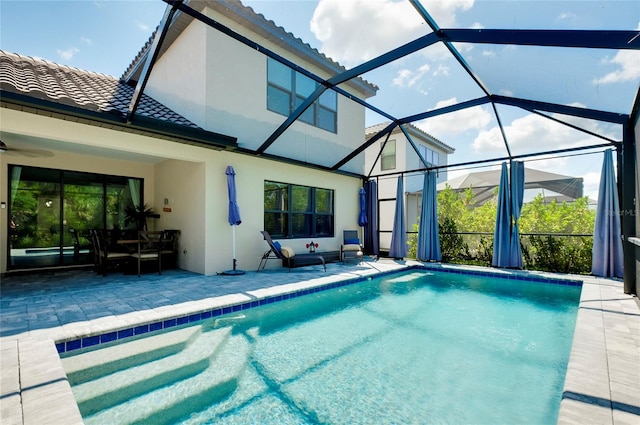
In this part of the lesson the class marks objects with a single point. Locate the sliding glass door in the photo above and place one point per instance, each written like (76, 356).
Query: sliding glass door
(51, 212)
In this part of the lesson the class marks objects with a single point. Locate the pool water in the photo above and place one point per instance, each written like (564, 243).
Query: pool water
(419, 347)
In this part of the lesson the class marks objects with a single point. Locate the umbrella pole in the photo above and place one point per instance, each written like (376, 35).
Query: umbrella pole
(234, 247)
(234, 271)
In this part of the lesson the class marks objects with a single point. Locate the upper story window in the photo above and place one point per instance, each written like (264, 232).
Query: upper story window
(287, 89)
(432, 157)
(388, 156)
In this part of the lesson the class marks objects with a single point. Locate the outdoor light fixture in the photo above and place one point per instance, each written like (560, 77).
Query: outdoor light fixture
(3, 147)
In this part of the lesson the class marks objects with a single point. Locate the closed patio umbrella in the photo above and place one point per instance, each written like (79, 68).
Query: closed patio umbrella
(234, 215)
(607, 241)
(398, 247)
(517, 197)
(428, 237)
(502, 232)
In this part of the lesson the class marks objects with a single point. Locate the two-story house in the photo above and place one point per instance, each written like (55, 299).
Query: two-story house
(220, 87)
(387, 157)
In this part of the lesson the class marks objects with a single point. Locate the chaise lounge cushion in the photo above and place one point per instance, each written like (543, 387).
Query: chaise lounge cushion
(278, 246)
(287, 252)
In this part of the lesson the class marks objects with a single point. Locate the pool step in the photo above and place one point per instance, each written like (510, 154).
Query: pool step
(118, 387)
(169, 404)
(89, 366)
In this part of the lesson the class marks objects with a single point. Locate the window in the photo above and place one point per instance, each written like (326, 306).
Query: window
(288, 89)
(388, 156)
(293, 211)
(429, 155)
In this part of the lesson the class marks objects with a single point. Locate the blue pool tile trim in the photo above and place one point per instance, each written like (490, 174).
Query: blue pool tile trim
(93, 340)
(511, 276)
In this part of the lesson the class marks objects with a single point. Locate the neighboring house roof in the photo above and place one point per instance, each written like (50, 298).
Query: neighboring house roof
(374, 129)
(47, 85)
(246, 17)
(483, 184)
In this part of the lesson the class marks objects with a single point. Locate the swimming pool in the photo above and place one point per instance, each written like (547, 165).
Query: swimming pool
(418, 347)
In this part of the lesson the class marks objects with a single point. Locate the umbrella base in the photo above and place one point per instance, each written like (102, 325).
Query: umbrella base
(233, 272)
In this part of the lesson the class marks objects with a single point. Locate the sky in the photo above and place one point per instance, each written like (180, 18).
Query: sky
(105, 36)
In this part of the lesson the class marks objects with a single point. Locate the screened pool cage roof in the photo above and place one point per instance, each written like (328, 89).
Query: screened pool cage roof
(521, 65)
(505, 63)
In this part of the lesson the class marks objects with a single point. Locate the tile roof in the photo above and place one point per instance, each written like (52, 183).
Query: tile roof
(374, 129)
(253, 21)
(92, 91)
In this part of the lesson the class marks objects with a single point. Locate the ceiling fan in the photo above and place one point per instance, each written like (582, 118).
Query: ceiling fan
(24, 152)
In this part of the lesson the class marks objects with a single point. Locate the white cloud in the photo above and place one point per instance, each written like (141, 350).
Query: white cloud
(355, 31)
(567, 16)
(143, 27)
(67, 54)
(444, 12)
(628, 63)
(408, 78)
(476, 118)
(506, 92)
(441, 70)
(591, 186)
(534, 131)
(86, 40)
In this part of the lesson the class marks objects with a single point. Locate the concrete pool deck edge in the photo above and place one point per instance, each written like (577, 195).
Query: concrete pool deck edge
(602, 383)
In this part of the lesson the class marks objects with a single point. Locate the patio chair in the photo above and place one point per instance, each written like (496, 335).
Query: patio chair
(273, 253)
(149, 248)
(104, 257)
(289, 258)
(351, 246)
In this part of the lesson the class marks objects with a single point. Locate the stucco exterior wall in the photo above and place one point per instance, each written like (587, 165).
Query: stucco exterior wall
(183, 186)
(185, 71)
(231, 80)
(192, 179)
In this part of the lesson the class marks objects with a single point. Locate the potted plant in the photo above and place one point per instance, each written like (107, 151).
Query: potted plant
(138, 215)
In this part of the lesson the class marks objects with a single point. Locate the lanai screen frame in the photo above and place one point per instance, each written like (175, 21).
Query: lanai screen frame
(596, 39)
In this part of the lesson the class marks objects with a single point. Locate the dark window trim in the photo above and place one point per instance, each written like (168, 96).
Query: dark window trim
(290, 213)
(294, 97)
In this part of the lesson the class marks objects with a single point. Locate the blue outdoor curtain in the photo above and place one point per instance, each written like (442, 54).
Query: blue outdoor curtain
(607, 239)
(371, 228)
(428, 232)
(398, 247)
(517, 197)
(502, 232)
(362, 217)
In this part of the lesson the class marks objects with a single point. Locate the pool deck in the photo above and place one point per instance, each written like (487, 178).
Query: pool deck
(602, 384)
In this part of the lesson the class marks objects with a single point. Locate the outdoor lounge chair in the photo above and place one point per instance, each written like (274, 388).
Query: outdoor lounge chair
(289, 258)
(351, 246)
